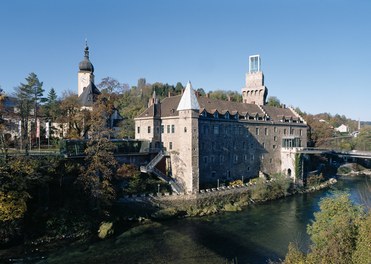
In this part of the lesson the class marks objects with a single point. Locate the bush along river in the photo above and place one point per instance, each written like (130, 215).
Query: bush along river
(257, 234)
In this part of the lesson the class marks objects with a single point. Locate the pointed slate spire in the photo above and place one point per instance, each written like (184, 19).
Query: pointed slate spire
(189, 100)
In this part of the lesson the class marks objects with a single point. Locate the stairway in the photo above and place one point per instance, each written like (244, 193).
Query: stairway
(151, 168)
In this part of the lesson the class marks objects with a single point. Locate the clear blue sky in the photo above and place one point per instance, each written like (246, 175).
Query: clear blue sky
(316, 54)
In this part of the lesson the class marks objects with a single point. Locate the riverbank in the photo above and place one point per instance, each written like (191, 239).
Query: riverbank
(256, 234)
(212, 201)
(146, 210)
(353, 169)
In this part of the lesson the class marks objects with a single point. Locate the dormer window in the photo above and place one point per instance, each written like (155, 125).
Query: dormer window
(226, 115)
(216, 115)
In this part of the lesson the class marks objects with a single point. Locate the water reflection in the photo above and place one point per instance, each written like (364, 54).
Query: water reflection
(254, 235)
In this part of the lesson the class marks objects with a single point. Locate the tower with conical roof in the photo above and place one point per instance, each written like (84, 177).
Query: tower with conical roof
(86, 72)
(186, 164)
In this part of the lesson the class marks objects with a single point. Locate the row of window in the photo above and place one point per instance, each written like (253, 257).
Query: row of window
(222, 158)
(239, 130)
(170, 129)
(219, 129)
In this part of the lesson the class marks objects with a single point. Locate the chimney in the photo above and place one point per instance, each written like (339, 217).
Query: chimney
(151, 101)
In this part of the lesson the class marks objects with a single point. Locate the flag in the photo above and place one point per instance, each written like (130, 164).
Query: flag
(38, 128)
(47, 124)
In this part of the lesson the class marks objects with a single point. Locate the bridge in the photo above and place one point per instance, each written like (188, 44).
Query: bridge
(340, 153)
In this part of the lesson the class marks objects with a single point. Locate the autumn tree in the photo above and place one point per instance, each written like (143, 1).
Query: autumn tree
(340, 233)
(363, 140)
(100, 164)
(110, 85)
(77, 119)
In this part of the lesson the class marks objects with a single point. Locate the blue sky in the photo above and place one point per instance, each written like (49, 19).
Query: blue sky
(316, 54)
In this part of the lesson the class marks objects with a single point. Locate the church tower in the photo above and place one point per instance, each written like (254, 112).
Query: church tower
(187, 167)
(86, 72)
(254, 91)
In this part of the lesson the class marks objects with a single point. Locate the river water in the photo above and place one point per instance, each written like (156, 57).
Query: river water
(257, 234)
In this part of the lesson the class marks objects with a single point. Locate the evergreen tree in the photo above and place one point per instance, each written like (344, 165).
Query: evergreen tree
(29, 95)
(52, 109)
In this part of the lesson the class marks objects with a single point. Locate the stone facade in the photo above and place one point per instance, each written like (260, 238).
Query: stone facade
(212, 141)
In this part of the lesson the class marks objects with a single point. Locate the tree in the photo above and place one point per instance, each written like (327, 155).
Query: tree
(362, 253)
(52, 109)
(110, 85)
(334, 230)
(340, 233)
(179, 87)
(100, 164)
(201, 91)
(363, 140)
(78, 119)
(294, 255)
(273, 101)
(29, 95)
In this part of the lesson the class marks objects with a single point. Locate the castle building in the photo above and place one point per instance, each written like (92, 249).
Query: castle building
(210, 140)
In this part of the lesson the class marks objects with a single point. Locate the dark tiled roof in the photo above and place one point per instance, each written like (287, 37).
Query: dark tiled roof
(89, 95)
(212, 105)
(169, 105)
(277, 113)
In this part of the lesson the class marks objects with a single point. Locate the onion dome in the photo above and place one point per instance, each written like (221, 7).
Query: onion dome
(85, 64)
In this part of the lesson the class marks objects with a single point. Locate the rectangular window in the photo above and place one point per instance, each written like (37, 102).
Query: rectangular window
(275, 138)
(149, 129)
(162, 128)
(172, 128)
(205, 159)
(284, 131)
(138, 130)
(168, 129)
(170, 145)
(274, 146)
(216, 130)
(245, 157)
(301, 132)
(257, 131)
(275, 129)
(266, 131)
(185, 129)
